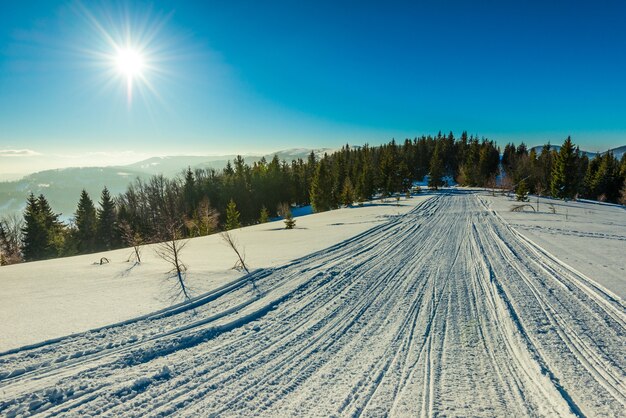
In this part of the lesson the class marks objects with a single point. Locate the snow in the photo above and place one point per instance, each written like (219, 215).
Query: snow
(444, 305)
(74, 294)
(588, 236)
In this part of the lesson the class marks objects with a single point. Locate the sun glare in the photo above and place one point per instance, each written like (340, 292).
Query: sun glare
(130, 49)
(129, 62)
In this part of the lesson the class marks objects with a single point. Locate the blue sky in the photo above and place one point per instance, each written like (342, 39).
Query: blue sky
(249, 77)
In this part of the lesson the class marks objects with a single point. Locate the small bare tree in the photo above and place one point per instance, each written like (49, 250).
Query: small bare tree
(10, 239)
(492, 183)
(169, 250)
(622, 195)
(241, 256)
(205, 220)
(132, 239)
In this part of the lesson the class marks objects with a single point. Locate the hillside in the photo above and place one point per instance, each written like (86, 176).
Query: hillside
(62, 187)
(618, 152)
(443, 305)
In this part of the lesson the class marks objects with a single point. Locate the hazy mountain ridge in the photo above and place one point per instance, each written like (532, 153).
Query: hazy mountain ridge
(618, 152)
(62, 186)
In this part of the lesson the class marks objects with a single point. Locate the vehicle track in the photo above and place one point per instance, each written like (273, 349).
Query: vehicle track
(446, 310)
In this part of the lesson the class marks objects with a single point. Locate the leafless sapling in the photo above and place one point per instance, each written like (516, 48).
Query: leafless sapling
(204, 221)
(10, 239)
(241, 256)
(169, 250)
(132, 239)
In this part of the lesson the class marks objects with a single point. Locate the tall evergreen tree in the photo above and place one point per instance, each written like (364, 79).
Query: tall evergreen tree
(347, 193)
(321, 187)
(42, 232)
(435, 179)
(86, 224)
(108, 236)
(565, 172)
(34, 234)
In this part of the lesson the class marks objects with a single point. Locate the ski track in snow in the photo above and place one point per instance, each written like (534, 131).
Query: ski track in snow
(445, 311)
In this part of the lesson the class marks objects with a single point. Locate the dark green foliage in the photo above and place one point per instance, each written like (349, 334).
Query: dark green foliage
(521, 192)
(108, 235)
(264, 216)
(86, 224)
(232, 216)
(290, 222)
(322, 188)
(347, 194)
(42, 232)
(565, 172)
(436, 169)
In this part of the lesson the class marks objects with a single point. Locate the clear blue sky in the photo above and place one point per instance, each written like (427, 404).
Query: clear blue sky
(253, 76)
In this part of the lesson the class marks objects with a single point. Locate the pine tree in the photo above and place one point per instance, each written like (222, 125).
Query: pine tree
(189, 193)
(86, 224)
(521, 192)
(42, 232)
(321, 187)
(232, 216)
(290, 222)
(34, 235)
(564, 172)
(107, 231)
(347, 194)
(436, 169)
(264, 216)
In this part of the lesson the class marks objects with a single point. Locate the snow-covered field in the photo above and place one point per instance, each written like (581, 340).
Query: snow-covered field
(445, 306)
(588, 236)
(54, 298)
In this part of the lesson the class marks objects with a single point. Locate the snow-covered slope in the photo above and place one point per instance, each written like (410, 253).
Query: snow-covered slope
(49, 299)
(444, 310)
(589, 236)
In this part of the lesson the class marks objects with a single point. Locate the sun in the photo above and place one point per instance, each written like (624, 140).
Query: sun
(129, 49)
(129, 62)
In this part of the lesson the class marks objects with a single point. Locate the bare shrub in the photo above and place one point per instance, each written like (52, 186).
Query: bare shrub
(520, 208)
(622, 193)
(169, 250)
(132, 239)
(240, 264)
(11, 239)
(204, 221)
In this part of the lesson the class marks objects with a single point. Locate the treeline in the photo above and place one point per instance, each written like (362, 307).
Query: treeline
(566, 173)
(203, 201)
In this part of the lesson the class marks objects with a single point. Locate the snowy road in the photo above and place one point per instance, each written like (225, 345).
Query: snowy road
(446, 310)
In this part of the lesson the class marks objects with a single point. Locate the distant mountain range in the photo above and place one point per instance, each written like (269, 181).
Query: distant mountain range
(62, 187)
(617, 152)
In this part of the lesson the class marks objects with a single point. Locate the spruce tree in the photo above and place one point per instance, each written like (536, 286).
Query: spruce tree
(232, 216)
(321, 187)
(347, 194)
(55, 234)
(436, 169)
(107, 230)
(86, 223)
(42, 232)
(34, 234)
(264, 216)
(564, 172)
(290, 223)
(521, 192)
